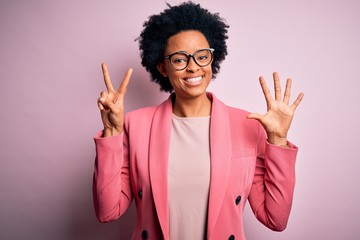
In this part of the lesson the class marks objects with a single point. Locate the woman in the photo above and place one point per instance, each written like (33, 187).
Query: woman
(192, 162)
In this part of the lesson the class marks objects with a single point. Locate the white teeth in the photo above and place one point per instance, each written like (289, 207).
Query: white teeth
(193, 79)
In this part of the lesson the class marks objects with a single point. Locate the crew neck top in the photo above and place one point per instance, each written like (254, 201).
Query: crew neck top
(189, 177)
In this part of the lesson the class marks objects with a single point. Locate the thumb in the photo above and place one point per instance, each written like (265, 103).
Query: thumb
(254, 116)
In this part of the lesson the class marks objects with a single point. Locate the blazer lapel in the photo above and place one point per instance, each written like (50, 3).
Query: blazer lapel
(158, 161)
(220, 154)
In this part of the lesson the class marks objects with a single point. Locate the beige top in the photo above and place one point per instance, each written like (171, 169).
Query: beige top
(189, 177)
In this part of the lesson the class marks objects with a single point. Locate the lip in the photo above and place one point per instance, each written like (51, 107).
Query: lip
(193, 81)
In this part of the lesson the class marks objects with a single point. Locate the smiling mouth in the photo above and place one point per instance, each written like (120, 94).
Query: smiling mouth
(193, 80)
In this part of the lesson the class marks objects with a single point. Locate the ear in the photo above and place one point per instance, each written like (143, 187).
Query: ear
(162, 69)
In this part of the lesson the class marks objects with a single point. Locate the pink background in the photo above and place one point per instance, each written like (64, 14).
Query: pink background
(50, 79)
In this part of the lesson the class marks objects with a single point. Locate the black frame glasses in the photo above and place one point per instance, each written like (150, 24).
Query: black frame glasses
(180, 60)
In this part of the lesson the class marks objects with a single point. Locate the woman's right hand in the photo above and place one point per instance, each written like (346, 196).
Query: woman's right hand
(111, 104)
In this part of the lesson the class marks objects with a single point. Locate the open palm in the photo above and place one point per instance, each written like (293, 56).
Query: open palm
(277, 120)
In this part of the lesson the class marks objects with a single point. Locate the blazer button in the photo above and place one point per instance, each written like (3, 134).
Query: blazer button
(237, 200)
(144, 234)
(232, 237)
(140, 194)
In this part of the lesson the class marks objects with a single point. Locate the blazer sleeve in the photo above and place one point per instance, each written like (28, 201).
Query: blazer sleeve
(111, 181)
(272, 190)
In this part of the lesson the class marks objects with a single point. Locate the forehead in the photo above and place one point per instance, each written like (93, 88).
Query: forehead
(188, 41)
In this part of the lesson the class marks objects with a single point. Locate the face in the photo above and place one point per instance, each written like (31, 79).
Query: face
(192, 81)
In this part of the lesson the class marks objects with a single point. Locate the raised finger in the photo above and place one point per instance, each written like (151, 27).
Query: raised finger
(107, 80)
(297, 101)
(265, 90)
(287, 91)
(125, 82)
(277, 86)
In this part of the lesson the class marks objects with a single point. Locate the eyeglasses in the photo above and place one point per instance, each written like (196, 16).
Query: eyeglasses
(180, 60)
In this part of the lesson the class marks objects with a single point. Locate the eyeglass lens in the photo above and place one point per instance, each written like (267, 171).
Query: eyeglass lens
(201, 57)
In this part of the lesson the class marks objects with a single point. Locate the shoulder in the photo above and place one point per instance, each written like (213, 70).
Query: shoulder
(221, 107)
(237, 119)
(237, 112)
(141, 112)
(239, 123)
(138, 117)
(238, 116)
(144, 116)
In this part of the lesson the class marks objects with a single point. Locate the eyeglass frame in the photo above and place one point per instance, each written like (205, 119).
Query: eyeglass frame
(191, 55)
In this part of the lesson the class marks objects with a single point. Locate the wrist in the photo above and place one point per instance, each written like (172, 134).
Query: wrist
(278, 141)
(110, 132)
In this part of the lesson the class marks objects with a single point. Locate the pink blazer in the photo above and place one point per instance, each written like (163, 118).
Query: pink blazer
(244, 166)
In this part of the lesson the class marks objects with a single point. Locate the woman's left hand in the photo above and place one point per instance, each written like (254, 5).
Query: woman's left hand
(278, 118)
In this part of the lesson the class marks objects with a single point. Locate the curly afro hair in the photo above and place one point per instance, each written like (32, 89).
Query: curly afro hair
(186, 16)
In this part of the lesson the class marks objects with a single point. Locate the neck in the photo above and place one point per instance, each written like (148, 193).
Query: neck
(194, 107)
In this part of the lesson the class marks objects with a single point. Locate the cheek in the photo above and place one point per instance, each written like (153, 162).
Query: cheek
(209, 72)
(174, 80)
(171, 73)
(174, 76)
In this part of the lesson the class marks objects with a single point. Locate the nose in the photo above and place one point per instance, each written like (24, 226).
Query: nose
(192, 66)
